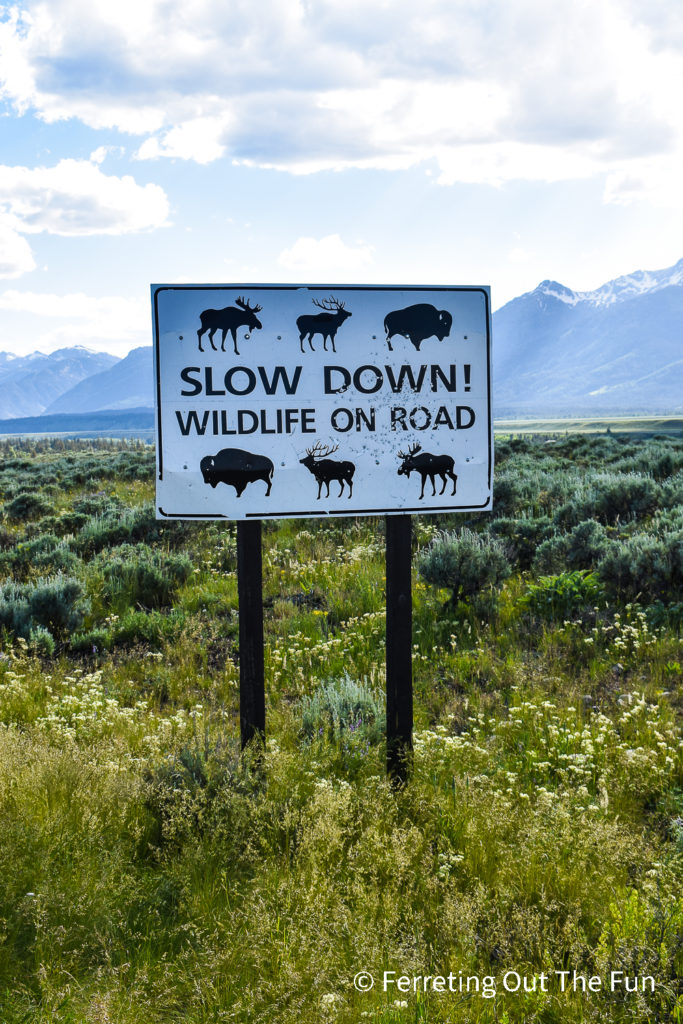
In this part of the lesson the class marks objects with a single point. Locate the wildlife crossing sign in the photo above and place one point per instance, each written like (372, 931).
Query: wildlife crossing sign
(310, 400)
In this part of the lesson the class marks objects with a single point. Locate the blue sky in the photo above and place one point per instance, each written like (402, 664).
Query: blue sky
(494, 142)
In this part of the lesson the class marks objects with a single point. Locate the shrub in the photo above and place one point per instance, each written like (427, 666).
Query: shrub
(508, 494)
(582, 548)
(665, 615)
(45, 554)
(622, 496)
(465, 562)
(28, 505)
(645, 566)
(137, 575)
(669, 520)
(57, 604)
(342, 706)
(656, 458)
(672, 492)
(94, 641)
(523, 536)
(115, 528)
(613, 497)
(134, 525)
(151, 628)
(552, 555)
(587, 543)
(563, 595)
(48, 524)
(97, 505)
(41, 642)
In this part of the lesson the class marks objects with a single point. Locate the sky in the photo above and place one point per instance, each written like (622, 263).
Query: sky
(466, 142)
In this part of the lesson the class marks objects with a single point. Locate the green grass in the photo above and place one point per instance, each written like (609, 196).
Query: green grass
(644, 425)
(149, 873)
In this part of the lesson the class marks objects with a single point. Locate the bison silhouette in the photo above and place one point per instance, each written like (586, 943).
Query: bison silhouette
(417, 323)
(237, 468)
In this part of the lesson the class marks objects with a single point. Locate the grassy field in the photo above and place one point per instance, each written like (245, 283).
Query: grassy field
(149, 873)
(633, 425)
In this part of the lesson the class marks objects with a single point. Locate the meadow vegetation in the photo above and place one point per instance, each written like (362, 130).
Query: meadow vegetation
(150, 873)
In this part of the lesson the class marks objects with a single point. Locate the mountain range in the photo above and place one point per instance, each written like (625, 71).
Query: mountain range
(556, 352)
(29, 384)
(125, 385)
(618, 349)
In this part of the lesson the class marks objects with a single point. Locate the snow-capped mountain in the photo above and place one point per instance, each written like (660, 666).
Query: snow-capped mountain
(28, 384)
(641, 282)
(616, 349)
(125, 385)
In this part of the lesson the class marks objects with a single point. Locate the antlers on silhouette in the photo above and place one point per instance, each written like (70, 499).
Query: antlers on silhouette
(413, 450)
(247, 306)
(321, 451)
(330, 305)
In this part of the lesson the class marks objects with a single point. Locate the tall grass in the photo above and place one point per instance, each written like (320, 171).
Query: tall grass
(149, 872)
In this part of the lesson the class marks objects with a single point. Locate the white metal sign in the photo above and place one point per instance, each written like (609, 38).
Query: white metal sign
(293, 400)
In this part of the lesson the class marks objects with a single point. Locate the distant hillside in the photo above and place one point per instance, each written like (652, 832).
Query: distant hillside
(127, 385)
(29, 384)
(617, 349)
(106, 419)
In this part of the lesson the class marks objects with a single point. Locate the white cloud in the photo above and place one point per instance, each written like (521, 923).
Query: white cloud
(109, 323)
(197, 140)
(319, 258)
(16, 257)
(644, 181)
(500, 162)
(75, 305)
(490, 90)
(99, 155)
(76, 198)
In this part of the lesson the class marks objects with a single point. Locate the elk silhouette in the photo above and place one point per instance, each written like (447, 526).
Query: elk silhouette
(427, 466)
(325, 470)
(229, 319)
(327, 324)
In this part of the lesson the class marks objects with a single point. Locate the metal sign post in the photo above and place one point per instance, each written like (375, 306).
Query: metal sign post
(250, 598)
(399, 652)
(283, 401)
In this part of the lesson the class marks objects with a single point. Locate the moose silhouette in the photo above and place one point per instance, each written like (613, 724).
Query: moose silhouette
(237, 468)
(229, 319)
(427, 466)
(325, 470)
(417, 323)
(327, 324)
